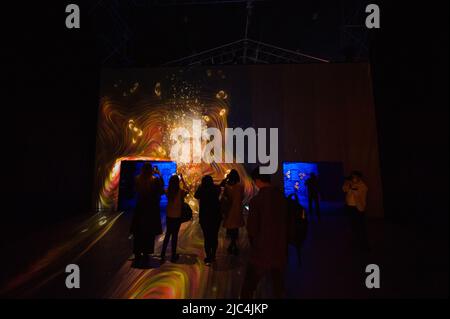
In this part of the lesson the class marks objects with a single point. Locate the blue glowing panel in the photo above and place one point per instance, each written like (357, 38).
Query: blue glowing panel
(295, 175)
(128, 172)
(167, 169)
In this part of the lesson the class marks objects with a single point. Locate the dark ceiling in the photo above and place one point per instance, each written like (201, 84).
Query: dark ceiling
(155, 32)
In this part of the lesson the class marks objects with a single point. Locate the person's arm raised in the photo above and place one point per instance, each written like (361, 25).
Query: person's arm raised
(346, 187)
(183, 182)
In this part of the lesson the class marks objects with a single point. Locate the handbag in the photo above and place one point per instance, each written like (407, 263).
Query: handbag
(186, 213)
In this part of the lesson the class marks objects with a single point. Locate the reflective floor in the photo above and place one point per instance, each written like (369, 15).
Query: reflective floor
(331, 265)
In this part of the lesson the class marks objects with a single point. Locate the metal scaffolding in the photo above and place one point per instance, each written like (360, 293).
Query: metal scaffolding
(245, 51)
(354, 41)
(113, 32)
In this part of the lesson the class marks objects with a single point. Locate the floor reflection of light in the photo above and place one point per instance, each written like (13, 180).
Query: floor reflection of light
(52, 263)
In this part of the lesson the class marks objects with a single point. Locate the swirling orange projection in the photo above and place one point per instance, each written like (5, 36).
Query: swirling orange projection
(138, 127)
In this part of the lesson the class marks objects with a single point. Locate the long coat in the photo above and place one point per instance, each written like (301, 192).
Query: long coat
(233, 217)
(267, 227)
(147, 219)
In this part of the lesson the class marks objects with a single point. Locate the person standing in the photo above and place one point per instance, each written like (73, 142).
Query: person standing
(146, 222)
(312, 184)
(209, 215)
(356, 201)
(267, 228)
(297, 224)
(175, 196)
(232, 202)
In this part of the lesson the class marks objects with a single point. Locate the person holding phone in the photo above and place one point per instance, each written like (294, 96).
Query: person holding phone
(356, 201)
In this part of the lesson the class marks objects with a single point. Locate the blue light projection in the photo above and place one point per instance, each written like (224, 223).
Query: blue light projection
(295, 174)
(128, 172)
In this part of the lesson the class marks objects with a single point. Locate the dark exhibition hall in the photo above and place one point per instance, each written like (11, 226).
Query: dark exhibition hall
(216, 152)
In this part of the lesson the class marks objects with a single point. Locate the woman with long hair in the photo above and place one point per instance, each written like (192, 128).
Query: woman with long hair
(175, 196)
(209, 215)
(146, 223)
(233, 199)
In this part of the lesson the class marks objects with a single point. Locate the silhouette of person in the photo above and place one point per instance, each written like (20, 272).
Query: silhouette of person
(268, 237)
(297, 224)
(146, 222)
(312, 184)
(356, 202)
(209, 215)
(175, 196)
(233, 197)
